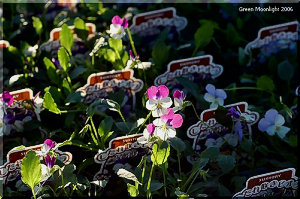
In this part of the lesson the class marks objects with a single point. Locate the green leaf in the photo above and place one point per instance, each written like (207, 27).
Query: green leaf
(116, 44)
(37, 24)
(160, 53)
(81, 29)
(77, 71)
(221, 117)
(160, 153)
(110, 55)
(226, 163)
(68, 174)
(266, 83)
(199, 164)
(63, 58)
(49, 103)
(133, 192)
(51, 71)
(66, 38)
(212, 153)
(74, 97)
(105, 126)
(66, 87)
(204, 34)
(31, 170)
(285, 70)
(177, 144)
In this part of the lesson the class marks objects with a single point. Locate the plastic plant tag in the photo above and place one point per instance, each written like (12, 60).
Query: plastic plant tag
(120, 150)
(195, 69)
(53, 44)
(281, 183)
(206, 134)
(271, 39)
(99, 85)
(11, 169)
(152, 23)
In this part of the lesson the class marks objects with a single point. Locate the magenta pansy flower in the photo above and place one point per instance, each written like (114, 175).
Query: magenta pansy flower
(47, 146)
(178, 99)
(7, 98)
(117, 20)
(117, 27)
(50, 161)
(166, 125)
(159, 100)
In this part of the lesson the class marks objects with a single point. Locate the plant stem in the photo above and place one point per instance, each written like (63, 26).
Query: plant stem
(142, 125)
(149, 182)
(179, 165)
(164, 175)
(189, 179)
(85, 147)
(144, 168)
(32, 189)
(120, 113)
(196, 112)
(193, 181)
(131, 42)
(62, 181)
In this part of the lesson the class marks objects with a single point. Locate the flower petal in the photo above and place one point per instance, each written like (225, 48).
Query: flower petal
(279, 120)
(210, 89)
(151, 104)
(271, 130)
(158, 122)
(166, 102)
(151, 92)
(271, 115)
(221, 94)
(117, 20)
(163, 91)
(209, 98)
(125, 23)
(263, 124)
(150, 128)
(177, 121)
(282, 131)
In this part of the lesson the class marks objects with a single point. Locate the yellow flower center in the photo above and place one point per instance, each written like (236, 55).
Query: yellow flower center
(120, 32)
(164, 127)
(277, 127)
(159, 106)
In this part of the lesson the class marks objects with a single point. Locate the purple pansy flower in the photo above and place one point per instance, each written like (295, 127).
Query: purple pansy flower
(7, 98)
(159, 100)
(50, 161)
(214, 96)
(273, 123)
(234, 113)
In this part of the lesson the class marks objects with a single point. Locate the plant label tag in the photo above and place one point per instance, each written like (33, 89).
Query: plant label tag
(281, 183)
(120, 150)
(203, 132)
(195, 69)
(152, 23)
(99, 85)
(11, 169)
(271, 39)
(52, 45)
(21, 95)
(4, 44)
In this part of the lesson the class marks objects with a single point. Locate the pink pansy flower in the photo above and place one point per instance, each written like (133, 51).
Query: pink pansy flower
(116, 30)
(159, 100)
(47, 146)
(178, 100)
(166, 125)
(50, 161)
(7, 98)
(149, 131)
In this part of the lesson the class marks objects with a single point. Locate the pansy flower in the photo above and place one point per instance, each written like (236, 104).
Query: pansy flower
(116, 30)
(134, 62)
(7, 98)
(214, 96)
(273, 123)
(165, 125)
(47, 146)
(147, 134)
(178, 100)
(159, 100)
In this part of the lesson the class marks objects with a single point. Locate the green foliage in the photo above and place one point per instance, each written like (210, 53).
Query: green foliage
(204, 34)
(51, 71)
(63, 58)
(31, 171)
(160, 153)
(177, 144)
(66, 38)
(266, 83)
(222, 118)
(285, 70)
(132, 190)
(81, 29)
(211, 153)
(50, 104)
(37, 24)
(226, 163)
